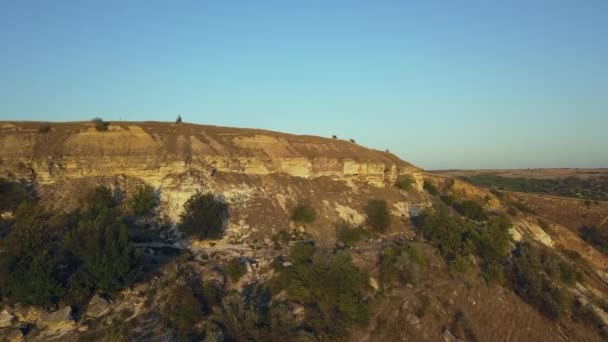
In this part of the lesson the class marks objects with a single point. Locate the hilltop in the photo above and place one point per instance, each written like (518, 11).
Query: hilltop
(179, 231)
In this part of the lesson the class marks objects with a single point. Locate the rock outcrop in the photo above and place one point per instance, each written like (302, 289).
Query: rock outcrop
(151, 151)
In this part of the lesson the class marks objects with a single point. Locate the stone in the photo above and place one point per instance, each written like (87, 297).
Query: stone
(97, 306)
(287, 264)
(374, 283)
(15, 336)
(6, 319)
(448, 336)
(83, 328)
(412, 319)
(58, 317)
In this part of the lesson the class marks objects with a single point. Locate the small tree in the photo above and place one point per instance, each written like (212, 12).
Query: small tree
(100, 125)
(378, 216)
(303, 213)
(405, 182)
(143, 201)
(179, 119)
(45, 128)
(204, 217)
(334, 136)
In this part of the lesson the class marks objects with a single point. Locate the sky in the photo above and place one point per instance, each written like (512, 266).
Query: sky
(442, 84)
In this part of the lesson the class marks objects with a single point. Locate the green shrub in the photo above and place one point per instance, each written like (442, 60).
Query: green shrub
(448, 199)
(30, 263)
(447, 232)
(105, 256)
(303, 213)
(332, 290)
(430, 188)
(45, 128)
(12, 194)
(460, 264)
(302, 252)
(471, 210)
(349, 234)
(378, 216)
(528, 278)
(405, 182)
(100, 125)
(204, 217)
(400, 263)
(178, 120)
(183, 310)
(492, 245)
(595, 237)
(235, 270)
(143, 202)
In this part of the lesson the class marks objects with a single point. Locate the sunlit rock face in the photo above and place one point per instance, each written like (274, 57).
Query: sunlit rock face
(262, 174)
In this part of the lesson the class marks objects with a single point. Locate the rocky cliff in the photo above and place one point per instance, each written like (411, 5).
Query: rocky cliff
(261, 174)
(152, 150)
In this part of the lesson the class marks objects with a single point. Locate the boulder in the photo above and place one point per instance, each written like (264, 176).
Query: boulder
(412, 319)
(97, 306)
(28, 314)
(374, 283)
(15, 336)
(6, 319)
(60, 320)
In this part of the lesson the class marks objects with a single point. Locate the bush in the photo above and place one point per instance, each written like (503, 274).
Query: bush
(448, 199)
(183, 310)
(595, 237)
(105, 256)
(45, 128)
(303, 213)
(349, 234)
(12, 194)
(235, 270)
(447, 232)
(378, 216)
(430, 188)
(30, 265)
(529, 280)
(460, 264)
(471, 210)
(204, 217)
(143, 202)
(405, 183)
(400, 263)
(178, 120)
(100, 125)
(332, 290)
(302, 252)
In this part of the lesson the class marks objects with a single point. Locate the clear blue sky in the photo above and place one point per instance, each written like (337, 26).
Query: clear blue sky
(443, 84)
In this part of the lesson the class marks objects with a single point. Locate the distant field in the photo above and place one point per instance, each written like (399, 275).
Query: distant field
(589, 184)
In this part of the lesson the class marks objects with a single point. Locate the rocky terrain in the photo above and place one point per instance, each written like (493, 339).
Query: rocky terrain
(262, 177)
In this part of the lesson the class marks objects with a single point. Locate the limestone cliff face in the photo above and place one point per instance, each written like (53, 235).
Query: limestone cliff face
(260, 174)
(151, 151)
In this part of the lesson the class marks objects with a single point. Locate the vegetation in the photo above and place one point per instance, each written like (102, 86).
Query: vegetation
(330, 287)
(235, 270)
(51, 256)
(378, 216)
(405, 183)
(588, 188)
(204, 217)
(12, 194)
(595, 237)
(349, 234)
(430, 188)
(144, 201)
(303, 213)
(401, 263)
(183, 310)
(533, 275)
(100, 125)
(44, 128)
(178, 120)
(470, 209)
